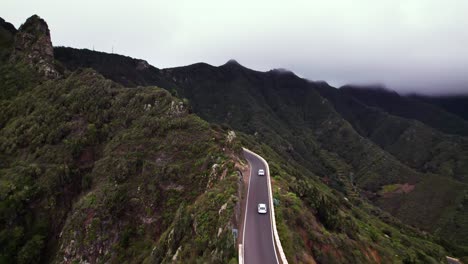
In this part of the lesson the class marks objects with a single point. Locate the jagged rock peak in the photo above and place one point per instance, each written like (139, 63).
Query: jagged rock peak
(35, 26)
(34, 46)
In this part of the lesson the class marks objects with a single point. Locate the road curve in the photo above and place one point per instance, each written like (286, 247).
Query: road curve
(257, 238)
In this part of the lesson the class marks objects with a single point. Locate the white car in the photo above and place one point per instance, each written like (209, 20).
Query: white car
(261, 172)
(262, 208)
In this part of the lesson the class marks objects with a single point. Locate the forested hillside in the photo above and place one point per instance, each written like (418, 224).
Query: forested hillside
(92, 171)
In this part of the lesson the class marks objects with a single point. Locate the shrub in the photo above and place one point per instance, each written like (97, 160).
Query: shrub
(30, 253)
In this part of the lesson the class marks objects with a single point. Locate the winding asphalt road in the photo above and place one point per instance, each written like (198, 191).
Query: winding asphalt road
(257, 239)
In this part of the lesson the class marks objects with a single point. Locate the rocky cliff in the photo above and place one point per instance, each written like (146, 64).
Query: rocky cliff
(33, 46)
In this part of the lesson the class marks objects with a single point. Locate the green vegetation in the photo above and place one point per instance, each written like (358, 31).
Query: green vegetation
(455, 104)
(315, 222)
(110, 171)
(416, 144)
(389, 188)
(124, 70)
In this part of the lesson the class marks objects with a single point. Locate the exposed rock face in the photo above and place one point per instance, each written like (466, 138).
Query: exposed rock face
(142, 65)
(177, 109)
(33, 45)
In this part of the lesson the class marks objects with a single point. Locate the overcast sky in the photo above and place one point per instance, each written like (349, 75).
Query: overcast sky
(407, 45)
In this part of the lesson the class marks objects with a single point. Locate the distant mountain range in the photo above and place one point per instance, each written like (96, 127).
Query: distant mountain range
(361, 174)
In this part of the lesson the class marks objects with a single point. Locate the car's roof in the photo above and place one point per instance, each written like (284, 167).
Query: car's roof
(261, 204)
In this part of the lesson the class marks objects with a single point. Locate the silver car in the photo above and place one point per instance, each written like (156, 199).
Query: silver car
(262, 208)
(261, 172)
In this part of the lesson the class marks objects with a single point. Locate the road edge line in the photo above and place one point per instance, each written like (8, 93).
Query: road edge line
(241, 253)
(241, 258)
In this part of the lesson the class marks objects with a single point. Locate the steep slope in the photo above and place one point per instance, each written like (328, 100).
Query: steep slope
(455, 104)
(406, 107)
(424, 149)
(126, 166)
(413, 143)
(91, 171)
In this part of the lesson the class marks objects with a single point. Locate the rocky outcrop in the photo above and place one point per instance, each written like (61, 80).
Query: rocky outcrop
(142, 65)
(34, 47)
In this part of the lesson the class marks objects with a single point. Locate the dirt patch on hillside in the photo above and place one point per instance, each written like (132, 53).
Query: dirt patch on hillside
(372, 255)
(391, 190)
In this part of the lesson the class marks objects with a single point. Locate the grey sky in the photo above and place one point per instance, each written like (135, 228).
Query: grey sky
(408, 45)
